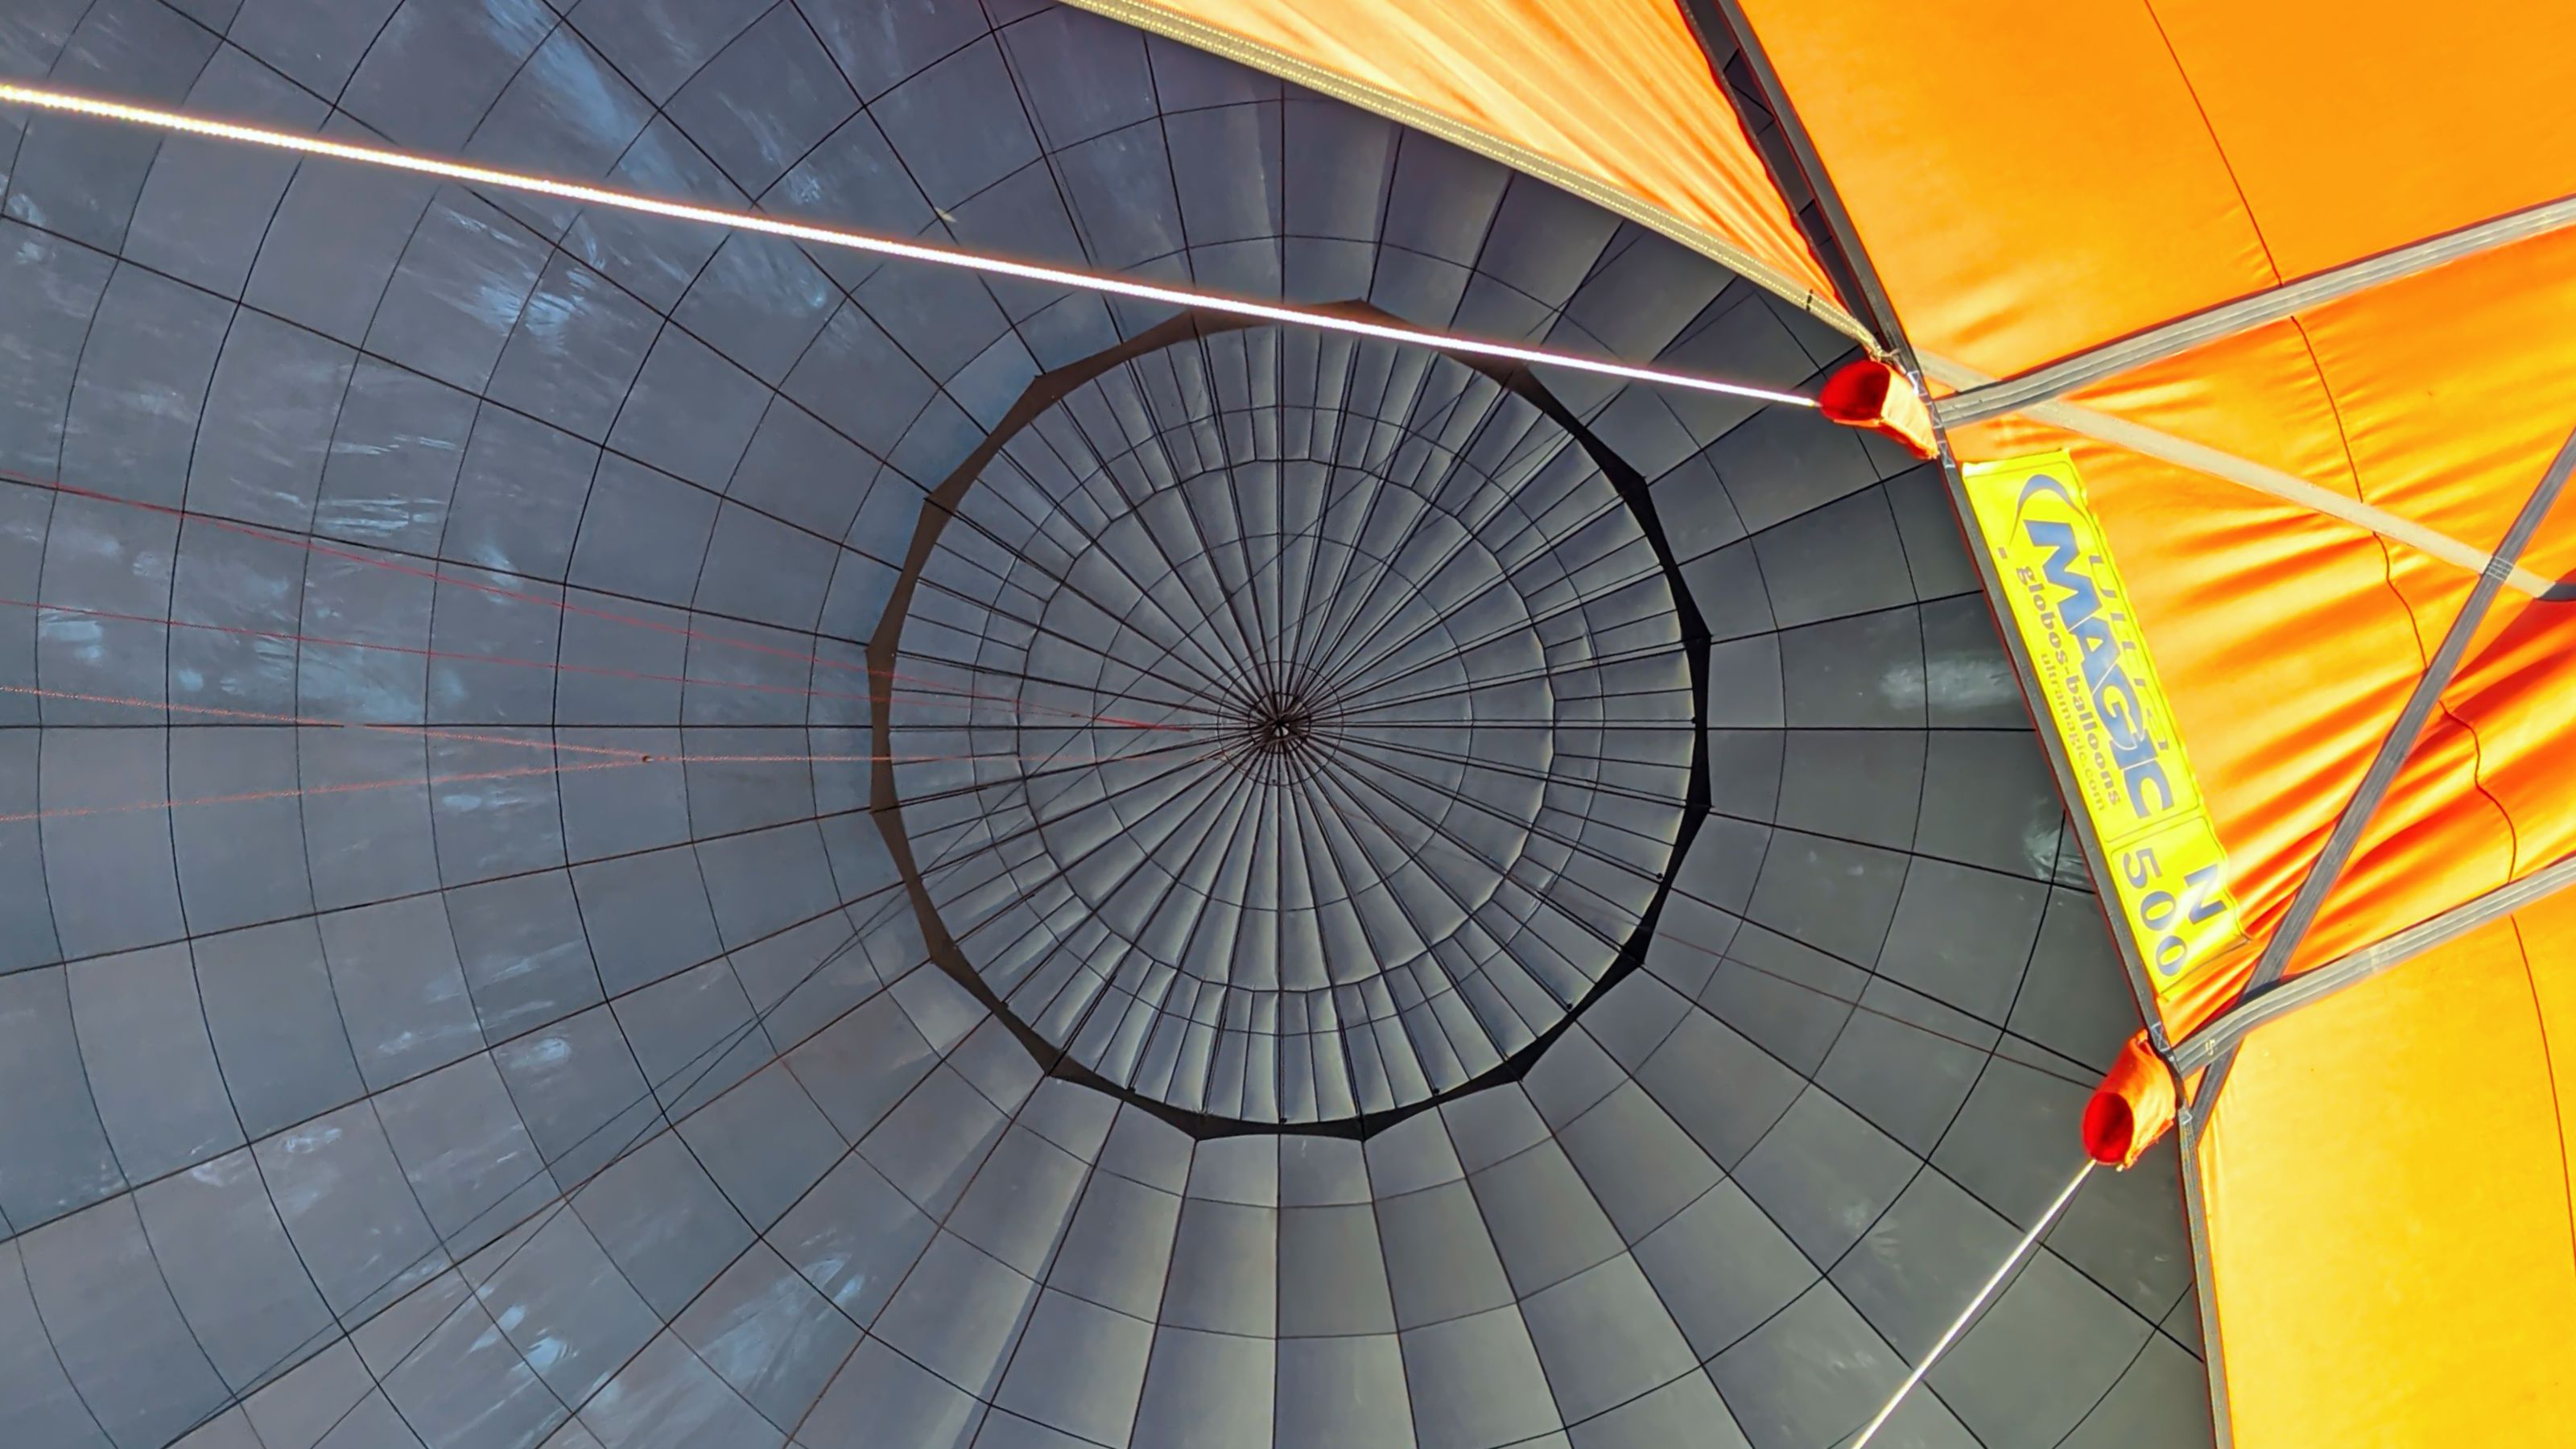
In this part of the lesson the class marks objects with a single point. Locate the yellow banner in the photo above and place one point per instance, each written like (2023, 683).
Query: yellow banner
(2132, 780)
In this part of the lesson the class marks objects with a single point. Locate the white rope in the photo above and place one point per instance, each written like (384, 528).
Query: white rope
(1960, 1325)
(49, 100)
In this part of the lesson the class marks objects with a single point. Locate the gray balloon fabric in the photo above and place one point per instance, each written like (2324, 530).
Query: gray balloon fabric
(614, 836)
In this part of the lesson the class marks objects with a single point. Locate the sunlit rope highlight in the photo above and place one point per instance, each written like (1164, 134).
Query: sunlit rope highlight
(1959, 1325)
(59, 101)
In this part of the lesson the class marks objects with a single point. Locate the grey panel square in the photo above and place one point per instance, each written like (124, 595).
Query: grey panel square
(647, 916)
(335, 242)
(1081, 75)
(764, 1142)
(457, 292)
(267, 432)
(567, 113)
(78, 178)
(1815, 1373)
(1968, 681)
(1487, 1126)
(1963, 936)
(432, 71)
(1476, 1381)
(1722, 1267)
(149, 1064)
(2162, 1402)
(2075, 999)
(1544, 1220)
(690, 415)
(1988, 801)
(1224, 1274)
(1789, 999)
(1242, 1169)
(944, 123)
(650, 257)
(931, 1144)
(1687, 1410)
(1569, 1077)
(1825, 1175)
(578, 345)
(766, 880)
(854, 1237)
(1332, 1278)
(1906, 1063)
(1865, 672)
(1080, 1368)
(232, 1272)
(765, 100)
(344, 1201)
(800, 470)
(302, 1405)
(880, 1392)
(760, 302)
(579, 1091)
(1784, 461)
(959, 1314)
(1322, 1172)
(668, 1398)
(315, 43)
(1205, 1388)
(525, 954)
(1604, 1338)
(1863, 785)
(398, 441)
(267, 998)
(766, 1332)
(664, 1223)
(521, 491)
(1936, 548)
(2043, 1355)
(1839, 560)
(467, 1154)
(1838, 896)
(1342, 1391)
(1720, 1087)
(1119, 1250)
(1021, 1201)
(142, 387)
(46, 1406)
(879, 42)
(861, 1065)
(400, 988)
(1440, 1257)
(112, 1322)
(1641, 1166)
(1746, 685)
(564, 1305)
(53, 289)
(659, 43)
(693, 1034)
(229, 855)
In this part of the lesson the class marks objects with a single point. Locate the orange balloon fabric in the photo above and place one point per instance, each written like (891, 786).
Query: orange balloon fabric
(2386, 1189)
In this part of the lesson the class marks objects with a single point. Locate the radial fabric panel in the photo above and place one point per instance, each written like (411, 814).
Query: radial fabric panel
(1325, 737)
